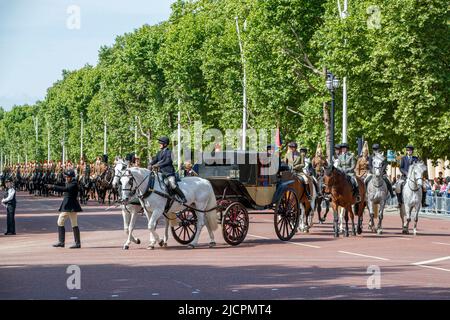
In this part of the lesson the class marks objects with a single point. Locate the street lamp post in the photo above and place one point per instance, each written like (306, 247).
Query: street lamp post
(332, 83)
(81, 136)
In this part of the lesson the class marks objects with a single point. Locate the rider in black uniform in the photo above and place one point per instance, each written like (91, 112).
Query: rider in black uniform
(163, 162)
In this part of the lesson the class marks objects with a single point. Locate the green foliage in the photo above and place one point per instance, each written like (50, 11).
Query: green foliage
(398, 78)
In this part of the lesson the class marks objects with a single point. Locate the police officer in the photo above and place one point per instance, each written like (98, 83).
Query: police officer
(68, 209)
(9, 201)
(405, 163)
(163, 162)
(375, 150)
(346, 162)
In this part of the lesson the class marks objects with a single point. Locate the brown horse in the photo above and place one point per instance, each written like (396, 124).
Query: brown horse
(337, 185)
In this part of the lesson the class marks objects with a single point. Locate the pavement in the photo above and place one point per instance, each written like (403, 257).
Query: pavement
(310, 266)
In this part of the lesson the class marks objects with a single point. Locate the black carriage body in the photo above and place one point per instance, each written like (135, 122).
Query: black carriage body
(252, 178)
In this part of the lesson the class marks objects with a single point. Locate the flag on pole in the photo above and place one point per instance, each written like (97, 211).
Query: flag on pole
(278, 140)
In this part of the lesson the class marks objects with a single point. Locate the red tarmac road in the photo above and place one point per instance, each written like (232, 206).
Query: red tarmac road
(310, 266)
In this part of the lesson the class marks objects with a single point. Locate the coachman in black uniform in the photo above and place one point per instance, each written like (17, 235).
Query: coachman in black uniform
(10, 202)
(69, 209)
(163, 162)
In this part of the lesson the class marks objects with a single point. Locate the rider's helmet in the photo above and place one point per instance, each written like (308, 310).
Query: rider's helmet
(164, 140)
(292, 144)
(375, 147)
(343, 145)
(303, 149)
(409, 147)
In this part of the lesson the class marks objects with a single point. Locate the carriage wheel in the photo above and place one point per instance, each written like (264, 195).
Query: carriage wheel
(286, 215)
(184, 232)
(235, 223)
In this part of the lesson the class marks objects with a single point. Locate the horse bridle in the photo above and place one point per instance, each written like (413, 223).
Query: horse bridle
(415, 182)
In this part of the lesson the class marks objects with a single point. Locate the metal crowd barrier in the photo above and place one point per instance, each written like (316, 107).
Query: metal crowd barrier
(437, 205)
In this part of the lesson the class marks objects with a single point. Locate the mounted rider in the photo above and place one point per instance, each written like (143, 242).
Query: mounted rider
(337, 152)
(347, 163)
(405, 163)
(362, 165)
(163, 162)
(301, 167)
(376, 150)
(319, 161)
(292, 154)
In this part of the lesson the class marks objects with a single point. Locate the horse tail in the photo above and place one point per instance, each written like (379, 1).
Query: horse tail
(211, 216)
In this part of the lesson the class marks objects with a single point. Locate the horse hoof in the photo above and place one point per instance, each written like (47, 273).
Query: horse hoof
(336, 235)
(415, 232)
(379, 231)
(165, 245)
(347, 234)
(150, 247)
(190, 246)
(359, 231)
(138, 241)
(126, 247)
(161, 243)
(212, 244)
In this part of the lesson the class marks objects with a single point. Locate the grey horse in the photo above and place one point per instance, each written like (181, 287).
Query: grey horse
(412, 195)
(377, 193)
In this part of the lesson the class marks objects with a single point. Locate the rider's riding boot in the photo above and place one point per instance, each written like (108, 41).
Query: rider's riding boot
(76, 235)
(308, 193)
(180, 194)
(61, 237)
(424, 199)
(389, 186)
(400, 199)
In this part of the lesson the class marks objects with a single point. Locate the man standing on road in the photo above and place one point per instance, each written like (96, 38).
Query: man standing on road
(69, 209)
(9, 201)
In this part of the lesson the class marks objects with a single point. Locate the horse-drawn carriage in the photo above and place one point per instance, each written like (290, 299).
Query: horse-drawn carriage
(244, 181)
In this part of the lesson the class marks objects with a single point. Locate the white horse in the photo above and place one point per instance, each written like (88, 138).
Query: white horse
(377, 193)
(130, 212)
(198, 192)
(412, 195)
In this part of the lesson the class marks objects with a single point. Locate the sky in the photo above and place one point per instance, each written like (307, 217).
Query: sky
(40, 38)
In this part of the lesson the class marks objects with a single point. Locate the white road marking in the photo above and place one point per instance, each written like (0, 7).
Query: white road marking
(431, 261)
(304, 245)
(155, 294)
(254, 236)
(400, 238)
(294, 243)
(431, 267)
(445, 244)
(363, 255)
